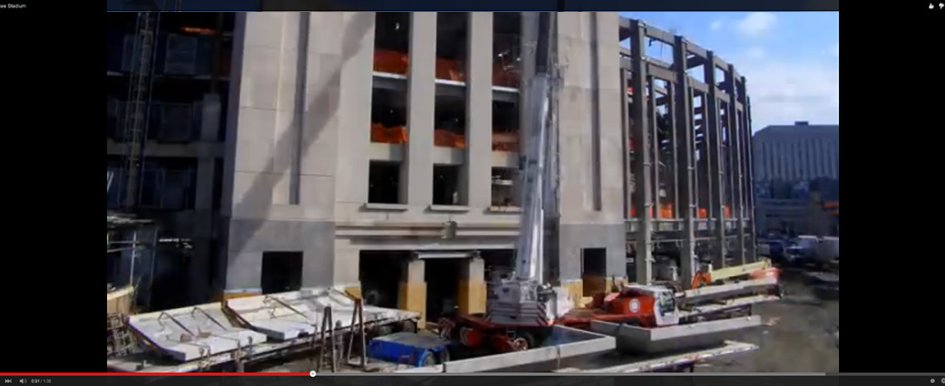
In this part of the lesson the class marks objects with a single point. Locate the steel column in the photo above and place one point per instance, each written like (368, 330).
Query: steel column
(625, 124)
(715, 173)
(654, 145)
(644, 247)
(735, 149)
(752, 240)
(682, 129)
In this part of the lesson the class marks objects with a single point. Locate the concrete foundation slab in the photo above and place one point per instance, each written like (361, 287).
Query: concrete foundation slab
(564, 343)
(614, 362)
(290, 315)
(190, 333)
(639, 340)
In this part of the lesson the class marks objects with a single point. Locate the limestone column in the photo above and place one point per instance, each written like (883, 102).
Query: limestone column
(412, 294)
(479, 105)
(472, 287)
(421, 91)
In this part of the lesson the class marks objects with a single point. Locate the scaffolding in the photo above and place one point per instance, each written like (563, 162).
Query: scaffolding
(138, 102)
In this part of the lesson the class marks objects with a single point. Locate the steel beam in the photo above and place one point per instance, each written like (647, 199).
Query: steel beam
(660, 35)
(722, 94)
(721, 64)
(715, 173)
(643, 202)
(656, 69)
(701, 87)
(696, 50)
(682, 131)
(694, 61)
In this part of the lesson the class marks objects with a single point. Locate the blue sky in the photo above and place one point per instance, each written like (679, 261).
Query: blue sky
(790, 59)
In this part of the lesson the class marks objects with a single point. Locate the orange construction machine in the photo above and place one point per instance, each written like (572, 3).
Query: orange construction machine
(658, 305)
(635, 304)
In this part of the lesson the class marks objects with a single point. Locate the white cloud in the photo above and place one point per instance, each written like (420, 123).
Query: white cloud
(756, 53)
(716, 25)
(756, 24)
(782, 92)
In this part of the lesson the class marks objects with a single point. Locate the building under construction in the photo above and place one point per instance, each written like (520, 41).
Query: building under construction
(379, 152)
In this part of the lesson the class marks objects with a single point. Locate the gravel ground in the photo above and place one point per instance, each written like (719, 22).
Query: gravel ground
(799, 334)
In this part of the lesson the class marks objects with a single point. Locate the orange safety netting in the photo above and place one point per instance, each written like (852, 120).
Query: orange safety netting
(728, 212)
(391, 62)
(505, 142)
(666, 211)
(450, 70)
(505, 76)
(703, 213)
(394, 135)
(446, 138)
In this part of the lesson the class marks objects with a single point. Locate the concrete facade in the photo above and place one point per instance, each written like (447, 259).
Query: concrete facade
(298, 147)
(298, 152)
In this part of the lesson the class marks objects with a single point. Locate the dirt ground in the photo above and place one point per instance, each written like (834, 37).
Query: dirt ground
(799, 334)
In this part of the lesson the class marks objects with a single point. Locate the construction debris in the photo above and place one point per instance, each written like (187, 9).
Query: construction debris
(191, 333)
(289, 315)
(119, 340)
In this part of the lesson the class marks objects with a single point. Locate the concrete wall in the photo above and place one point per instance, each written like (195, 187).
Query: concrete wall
(299, 146)
(591, 160)
(283, 141)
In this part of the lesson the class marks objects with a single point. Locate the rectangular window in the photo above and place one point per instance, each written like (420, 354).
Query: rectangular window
(180, 58)
(281, 272)
(446, 186)
(384, 182)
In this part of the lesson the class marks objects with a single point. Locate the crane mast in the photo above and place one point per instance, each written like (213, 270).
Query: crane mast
(524, 299)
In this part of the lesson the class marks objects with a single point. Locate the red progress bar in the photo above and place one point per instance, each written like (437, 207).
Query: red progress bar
(154, 374)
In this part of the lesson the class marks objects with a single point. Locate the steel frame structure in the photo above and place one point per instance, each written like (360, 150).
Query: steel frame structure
(690, 140)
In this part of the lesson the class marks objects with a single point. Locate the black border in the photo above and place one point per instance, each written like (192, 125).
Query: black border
(890, 99)
(49, 267)
(483, 5)
(889, 168)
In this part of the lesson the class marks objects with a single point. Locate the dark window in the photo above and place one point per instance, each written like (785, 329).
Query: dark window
(281, 272)
(446, 189)
(384, 182)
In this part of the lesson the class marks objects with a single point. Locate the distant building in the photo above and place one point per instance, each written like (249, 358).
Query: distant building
(812, 216)
(797, 170)
(799, 152)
